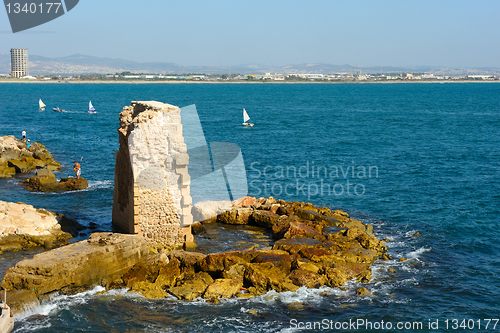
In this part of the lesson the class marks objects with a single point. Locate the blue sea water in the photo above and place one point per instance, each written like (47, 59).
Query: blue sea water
(421, 162)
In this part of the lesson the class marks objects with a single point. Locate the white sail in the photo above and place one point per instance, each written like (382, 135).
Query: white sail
(41, 104)
(91, 107)
(245, 116)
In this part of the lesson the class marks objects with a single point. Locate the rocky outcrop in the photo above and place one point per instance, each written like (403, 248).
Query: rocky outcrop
(46, 181)
(101, 260)
(320, 247)
(23, 226)
(16, 157)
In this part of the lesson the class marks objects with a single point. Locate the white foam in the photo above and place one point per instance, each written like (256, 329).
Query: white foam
(93, 184)
(417, 253)
(302, 295)
(58, 303)
(410, 233)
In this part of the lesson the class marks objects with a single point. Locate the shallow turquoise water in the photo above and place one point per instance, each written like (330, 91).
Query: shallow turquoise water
(434, 154)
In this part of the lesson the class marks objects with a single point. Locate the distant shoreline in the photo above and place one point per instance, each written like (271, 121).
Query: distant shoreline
(241, 82)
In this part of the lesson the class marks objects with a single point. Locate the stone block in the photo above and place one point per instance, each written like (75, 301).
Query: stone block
(185, 180)
(187, 220)
(179, 147)
(188, 236)
(186, 210)
(182, 170)
(185, 190)
(181, 159)
(186, 200)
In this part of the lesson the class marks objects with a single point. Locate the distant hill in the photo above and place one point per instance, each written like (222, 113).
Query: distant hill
(84, 64)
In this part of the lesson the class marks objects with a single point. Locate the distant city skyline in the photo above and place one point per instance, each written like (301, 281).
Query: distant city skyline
(444, 33)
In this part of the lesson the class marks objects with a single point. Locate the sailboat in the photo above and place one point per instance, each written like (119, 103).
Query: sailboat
(246, 118)
(91, 108)
(41, 105)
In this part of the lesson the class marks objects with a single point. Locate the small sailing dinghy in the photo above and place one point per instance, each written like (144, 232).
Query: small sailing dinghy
(246, 118)
(91, 108)
(41, 105)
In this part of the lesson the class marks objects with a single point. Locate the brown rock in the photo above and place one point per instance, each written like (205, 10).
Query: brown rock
(186, 259)
(303, 277)
(264, 218)
(146, 270)
(341, 213)
(223, 288)
(244, 202)
(14, 155)
(274, 208)
(6, 171)
(24, 164)
(149, 290)
(235, 272)
(293, 246)
(192, 287)
(335, 277)
(300, 230)
(365, 276)
(265, 276)
(168, 274)
(281, 226)
(197, 228)
(270, 201)
(280, 259)
(385, 256)
(359, 271)
(235, 216)
(83, 264)
(295, 306)
(284, 211)
(305, 264)
(45, 181)
(363, 292)
(216, 263)
(316, 254)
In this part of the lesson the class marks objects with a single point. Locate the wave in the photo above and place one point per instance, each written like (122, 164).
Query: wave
(417, 253)
(98, 184)
(57, 303)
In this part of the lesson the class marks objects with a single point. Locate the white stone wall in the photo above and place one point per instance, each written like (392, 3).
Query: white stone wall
(159, 163)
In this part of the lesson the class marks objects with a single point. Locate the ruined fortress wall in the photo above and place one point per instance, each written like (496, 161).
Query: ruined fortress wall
(152, 194)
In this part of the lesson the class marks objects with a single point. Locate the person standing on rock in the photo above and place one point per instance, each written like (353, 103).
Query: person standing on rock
(77, 169)
(24, 134)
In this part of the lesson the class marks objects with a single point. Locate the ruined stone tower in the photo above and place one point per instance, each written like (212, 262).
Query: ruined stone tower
(152, 185)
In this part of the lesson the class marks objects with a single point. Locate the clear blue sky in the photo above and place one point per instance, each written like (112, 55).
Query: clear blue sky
(451, 33)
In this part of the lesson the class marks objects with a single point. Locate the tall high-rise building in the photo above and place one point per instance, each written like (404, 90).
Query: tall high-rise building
(19, 62)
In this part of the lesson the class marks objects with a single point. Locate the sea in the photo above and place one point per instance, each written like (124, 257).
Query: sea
(418, 161)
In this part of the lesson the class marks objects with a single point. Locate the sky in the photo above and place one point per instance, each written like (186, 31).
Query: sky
(448, 33)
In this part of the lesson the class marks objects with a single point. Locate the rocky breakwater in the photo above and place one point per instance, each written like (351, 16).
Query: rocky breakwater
(314, 246)
(16, 157)
(101, 259)
(46, 181)
(23, 226)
